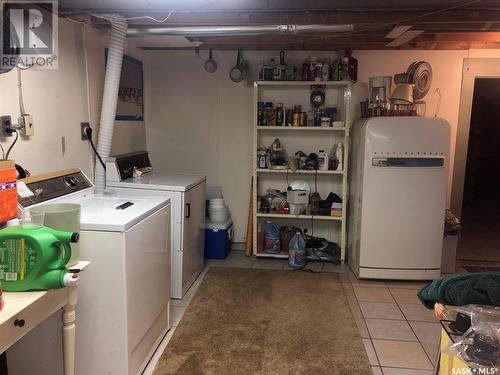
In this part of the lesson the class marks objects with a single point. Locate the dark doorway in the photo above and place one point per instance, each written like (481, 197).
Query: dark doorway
(480, 241)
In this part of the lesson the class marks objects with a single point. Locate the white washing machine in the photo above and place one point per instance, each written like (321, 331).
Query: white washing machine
(187, 196)
(123, 308)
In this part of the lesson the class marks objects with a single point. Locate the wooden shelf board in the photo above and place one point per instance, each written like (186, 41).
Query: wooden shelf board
(300, 217)
(301, 128)
(289, 171)
(283, 255)
(304, 83)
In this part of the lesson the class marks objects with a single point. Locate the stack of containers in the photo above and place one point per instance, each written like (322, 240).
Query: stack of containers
(217, 211)
(218, 230)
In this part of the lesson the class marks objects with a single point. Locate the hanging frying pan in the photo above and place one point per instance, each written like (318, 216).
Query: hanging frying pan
(236, 73)
(210, 64)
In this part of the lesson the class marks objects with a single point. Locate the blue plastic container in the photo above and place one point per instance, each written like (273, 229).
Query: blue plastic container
(272, 239)
(218, 238)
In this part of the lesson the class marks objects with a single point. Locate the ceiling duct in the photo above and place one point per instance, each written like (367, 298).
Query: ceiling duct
(238, 30)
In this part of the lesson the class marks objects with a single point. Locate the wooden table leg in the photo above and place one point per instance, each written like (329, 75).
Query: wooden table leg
(69, 329)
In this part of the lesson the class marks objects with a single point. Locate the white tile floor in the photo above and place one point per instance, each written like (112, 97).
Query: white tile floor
(400, 336)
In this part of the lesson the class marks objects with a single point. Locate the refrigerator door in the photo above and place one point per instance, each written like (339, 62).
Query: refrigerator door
(403, 216)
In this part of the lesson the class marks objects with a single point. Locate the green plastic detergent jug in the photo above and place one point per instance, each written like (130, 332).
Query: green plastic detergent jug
(34, 258)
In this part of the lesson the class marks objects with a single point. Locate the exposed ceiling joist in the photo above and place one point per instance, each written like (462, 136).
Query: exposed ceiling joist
(477, 24)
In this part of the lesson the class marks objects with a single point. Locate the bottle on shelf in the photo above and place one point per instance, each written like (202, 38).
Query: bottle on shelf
(261, 157)
(280, 114)
(323, 160)
(270, 114)
(339, 155)
(260, 113)
(340, 70)
(272, 239)
(352, 65)
(297, 251)
(325, 72)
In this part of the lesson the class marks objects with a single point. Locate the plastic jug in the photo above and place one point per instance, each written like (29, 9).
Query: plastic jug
(272, 239)
(297, 251)
(35, 258)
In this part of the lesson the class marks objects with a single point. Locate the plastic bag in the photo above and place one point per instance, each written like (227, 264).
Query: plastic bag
(479, 346)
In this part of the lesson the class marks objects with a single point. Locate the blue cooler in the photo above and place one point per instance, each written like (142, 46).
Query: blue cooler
(218, 239)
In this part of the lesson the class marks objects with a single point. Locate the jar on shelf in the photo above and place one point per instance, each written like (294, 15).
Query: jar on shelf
(261, 158)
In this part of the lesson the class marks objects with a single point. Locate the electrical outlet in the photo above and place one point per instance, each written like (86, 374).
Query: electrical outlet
(83, 126)
(28, 129)
(5, 122)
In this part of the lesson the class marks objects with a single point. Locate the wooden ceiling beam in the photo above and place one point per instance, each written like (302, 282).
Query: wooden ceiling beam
(481, 37)
(312, 17)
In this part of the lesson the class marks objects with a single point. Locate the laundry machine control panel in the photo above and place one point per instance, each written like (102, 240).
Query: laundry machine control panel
(34, 190)
(121, 167)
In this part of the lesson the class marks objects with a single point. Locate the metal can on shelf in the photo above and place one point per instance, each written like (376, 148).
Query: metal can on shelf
(296, 119)
(303, 119)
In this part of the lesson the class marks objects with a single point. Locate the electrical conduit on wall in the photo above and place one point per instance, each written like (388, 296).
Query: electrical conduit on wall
(110, 97)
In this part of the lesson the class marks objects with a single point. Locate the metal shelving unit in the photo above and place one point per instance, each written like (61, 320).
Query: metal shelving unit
(336, 223)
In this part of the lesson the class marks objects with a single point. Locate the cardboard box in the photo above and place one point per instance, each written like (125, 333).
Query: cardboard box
(8, 190)
(336, 213)
(297, 196)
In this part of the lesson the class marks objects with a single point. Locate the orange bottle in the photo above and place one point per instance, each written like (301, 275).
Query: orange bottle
(8, 190)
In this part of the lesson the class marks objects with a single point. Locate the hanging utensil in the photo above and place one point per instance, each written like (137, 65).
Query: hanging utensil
(282, 57)
(236, 73)
(210, 64)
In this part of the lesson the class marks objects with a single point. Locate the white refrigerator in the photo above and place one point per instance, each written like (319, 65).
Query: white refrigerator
(397, 197)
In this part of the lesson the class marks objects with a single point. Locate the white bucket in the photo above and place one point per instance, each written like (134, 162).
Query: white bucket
(217, 203)
(218, 215)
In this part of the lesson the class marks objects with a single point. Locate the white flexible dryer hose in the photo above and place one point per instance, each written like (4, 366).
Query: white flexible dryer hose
(110, 97)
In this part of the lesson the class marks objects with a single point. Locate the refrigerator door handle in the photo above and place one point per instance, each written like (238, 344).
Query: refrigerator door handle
(188, 210)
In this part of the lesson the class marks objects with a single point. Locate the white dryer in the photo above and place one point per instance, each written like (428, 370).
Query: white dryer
(398, 174)
(124, 295)
(187, 196)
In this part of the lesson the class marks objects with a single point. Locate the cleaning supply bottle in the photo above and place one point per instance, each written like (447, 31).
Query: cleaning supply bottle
(272, 239)
(35, 258)
(297, 251)
(339, 155)
(323, 160)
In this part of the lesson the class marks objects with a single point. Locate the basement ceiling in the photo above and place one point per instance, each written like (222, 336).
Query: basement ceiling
(446, 24)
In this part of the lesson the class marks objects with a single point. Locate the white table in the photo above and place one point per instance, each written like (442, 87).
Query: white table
(23, 311)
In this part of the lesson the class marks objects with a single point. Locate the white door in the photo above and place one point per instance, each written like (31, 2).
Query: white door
(193, 232)
(147, 272)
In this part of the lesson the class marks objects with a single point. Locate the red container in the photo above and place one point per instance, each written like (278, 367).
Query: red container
(8, 191)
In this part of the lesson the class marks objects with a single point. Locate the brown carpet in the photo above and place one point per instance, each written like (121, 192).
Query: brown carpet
(250, 321)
